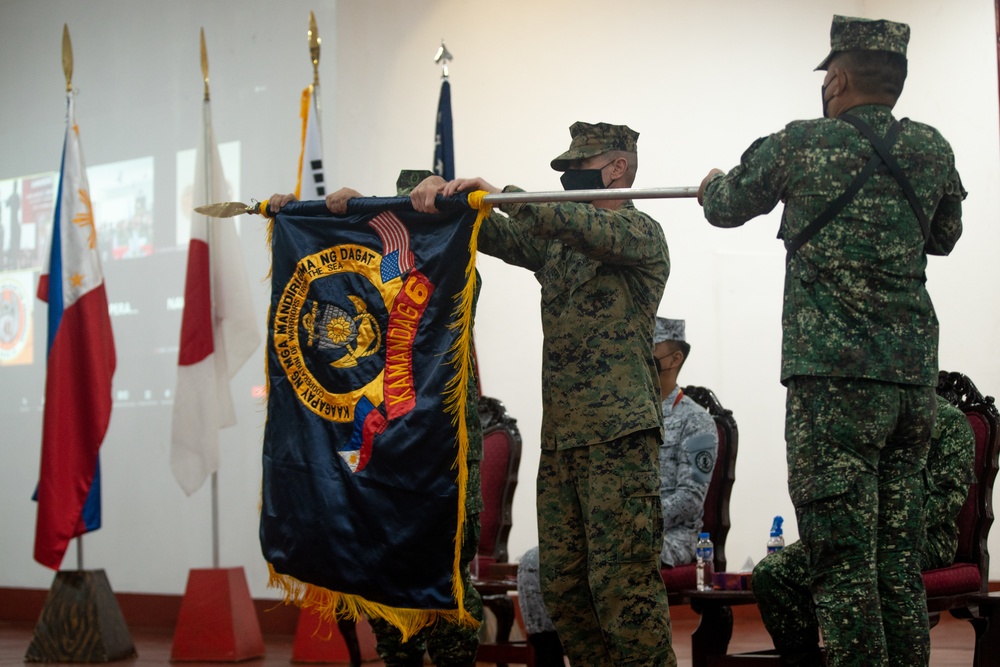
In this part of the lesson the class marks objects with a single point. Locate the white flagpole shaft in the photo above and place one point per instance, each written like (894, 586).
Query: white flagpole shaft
(591, 195)
(215, 520)
(79, 553)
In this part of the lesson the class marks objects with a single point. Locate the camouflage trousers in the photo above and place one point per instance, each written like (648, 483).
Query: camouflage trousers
(449, 644)
(856, 453)
(781, 586)
(599, 527)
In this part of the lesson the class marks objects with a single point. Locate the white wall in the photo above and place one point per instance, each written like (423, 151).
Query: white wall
(699, 81)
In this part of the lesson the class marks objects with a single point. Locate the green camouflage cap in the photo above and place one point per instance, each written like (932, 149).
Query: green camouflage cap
(590, 140)
(853, 34)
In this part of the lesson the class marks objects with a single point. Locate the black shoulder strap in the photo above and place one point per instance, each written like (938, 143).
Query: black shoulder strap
(838, 204)
(884, 150)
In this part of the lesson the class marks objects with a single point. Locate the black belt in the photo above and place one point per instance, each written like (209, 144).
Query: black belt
(883, 154)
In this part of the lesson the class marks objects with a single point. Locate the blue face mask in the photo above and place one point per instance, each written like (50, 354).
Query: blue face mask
(583, 179)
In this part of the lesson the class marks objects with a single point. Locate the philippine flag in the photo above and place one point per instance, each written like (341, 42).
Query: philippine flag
(218, 329)
(81, 364)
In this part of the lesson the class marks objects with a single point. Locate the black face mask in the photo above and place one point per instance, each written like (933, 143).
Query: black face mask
(822, 97)
(583, 179)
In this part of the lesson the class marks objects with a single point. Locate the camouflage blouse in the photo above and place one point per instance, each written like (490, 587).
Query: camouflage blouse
(855, 302)
(602, 274)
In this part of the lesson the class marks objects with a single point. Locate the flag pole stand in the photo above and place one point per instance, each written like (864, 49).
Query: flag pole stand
(217, 621)
(80, 622)
(319, 641)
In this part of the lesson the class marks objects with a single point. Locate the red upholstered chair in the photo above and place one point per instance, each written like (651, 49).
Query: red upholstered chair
(501, 459)
(715, 519)
(956, 588)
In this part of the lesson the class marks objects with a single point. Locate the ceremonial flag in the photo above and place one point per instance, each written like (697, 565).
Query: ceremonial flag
(311, 184)
(444, 148)
(80, 366)
(368, 364)
(218, 329)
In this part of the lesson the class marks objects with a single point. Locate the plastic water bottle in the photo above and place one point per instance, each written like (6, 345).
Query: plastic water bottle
(777, 540)
(705, 552)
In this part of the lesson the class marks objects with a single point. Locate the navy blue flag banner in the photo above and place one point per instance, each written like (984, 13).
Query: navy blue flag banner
(444, 148)
(368, 362)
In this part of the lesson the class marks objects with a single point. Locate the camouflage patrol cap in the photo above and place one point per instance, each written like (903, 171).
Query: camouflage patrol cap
(666, 329)
(593, 139)
(853, 34)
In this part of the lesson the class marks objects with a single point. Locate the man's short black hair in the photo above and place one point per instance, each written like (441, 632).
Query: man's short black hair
(683, 346)
(875, 72)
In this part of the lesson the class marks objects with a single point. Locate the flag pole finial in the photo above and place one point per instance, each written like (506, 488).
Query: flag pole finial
(314, 42)
(67, 58)
(204, 62)
(442, 57)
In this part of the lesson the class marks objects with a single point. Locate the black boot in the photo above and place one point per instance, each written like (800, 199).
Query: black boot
(548, 649)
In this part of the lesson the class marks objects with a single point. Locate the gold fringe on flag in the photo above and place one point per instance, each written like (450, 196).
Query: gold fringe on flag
(457, 388)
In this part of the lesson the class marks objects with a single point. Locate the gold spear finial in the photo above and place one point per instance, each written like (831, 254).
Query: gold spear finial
(67, 54)
(314, 42)
(204, 62)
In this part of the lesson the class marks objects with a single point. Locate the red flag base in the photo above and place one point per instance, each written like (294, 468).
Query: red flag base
(217, 621)
(80, 622)
(321, 641)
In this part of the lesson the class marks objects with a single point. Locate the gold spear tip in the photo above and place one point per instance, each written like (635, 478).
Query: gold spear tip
(228, 209)
(204, 62)
(314, 42)
(67, 58)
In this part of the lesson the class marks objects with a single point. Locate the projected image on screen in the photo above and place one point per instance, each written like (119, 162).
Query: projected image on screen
(25, 217)
(16, 306)
(122, 195)
(143, 247)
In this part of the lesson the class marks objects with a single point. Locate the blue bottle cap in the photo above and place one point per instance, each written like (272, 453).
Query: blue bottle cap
(703, 536)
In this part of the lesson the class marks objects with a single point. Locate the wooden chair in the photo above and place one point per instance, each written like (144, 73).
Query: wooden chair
(501, 459)
(496, 577)
(961, 588)
(715, 519)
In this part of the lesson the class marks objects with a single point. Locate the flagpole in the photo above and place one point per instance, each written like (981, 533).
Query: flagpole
(207, 157)
(67, 62)
(590, 195)
(314, 42)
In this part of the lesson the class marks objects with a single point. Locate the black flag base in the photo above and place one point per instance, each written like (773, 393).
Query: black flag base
(80, 622)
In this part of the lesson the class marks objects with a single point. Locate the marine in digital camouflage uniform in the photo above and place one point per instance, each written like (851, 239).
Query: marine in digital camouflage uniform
(448, 644)
(780, 580)
(687, 458)
(860, 337)
(602, 269)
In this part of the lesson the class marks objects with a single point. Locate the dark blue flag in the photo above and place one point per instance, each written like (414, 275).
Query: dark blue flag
(444, 148)
(365, 445)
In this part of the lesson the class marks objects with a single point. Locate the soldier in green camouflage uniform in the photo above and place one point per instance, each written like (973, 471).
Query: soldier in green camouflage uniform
(448, 644)
(859, 348)
(780, 581)
(602, 269)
